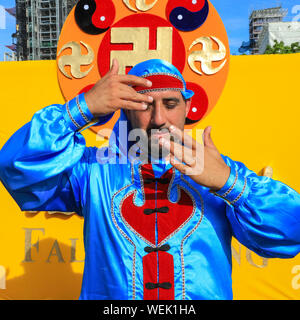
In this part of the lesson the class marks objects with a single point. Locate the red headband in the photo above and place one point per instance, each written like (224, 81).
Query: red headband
(161, 82)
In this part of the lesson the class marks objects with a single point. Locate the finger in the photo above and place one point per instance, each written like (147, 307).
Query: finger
(114, 70)
(135, 81)
(181, 153)
(182, 137)
(207, 140)
(131, 105)
(128, 93)
(184, 169)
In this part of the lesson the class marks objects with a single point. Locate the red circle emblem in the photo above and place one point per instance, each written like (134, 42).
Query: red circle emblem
(140, 48)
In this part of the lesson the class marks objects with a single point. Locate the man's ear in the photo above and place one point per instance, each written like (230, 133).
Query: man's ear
(188, 103)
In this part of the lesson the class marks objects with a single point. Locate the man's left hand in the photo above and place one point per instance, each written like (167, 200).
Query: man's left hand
(202, 162)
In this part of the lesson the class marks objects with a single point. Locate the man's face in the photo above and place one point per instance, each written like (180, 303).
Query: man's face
(168, 108)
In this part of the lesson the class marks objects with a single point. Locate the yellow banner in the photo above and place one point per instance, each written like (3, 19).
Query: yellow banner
(256, 121)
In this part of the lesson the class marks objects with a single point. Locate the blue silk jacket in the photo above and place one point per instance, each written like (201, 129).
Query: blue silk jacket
(149, 231)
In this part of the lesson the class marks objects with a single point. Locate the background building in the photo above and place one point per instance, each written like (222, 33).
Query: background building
(258, 19)
(11, 54)
(38, 26)
(287, 32)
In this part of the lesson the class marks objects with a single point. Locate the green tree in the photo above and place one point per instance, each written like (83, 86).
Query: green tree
(281, 48)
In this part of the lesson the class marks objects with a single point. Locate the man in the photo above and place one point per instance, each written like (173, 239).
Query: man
(154, 230)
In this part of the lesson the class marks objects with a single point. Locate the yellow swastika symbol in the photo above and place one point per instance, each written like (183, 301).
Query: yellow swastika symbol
(139, 37)
(76, 59)
(207, 55)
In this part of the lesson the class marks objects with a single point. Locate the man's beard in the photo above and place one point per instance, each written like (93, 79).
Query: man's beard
(150, 146)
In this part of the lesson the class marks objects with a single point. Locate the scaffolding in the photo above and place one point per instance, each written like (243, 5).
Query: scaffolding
(39, 23)
(258, 19)
(286, 32)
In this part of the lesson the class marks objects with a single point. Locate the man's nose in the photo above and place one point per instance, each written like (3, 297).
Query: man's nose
(158, 117)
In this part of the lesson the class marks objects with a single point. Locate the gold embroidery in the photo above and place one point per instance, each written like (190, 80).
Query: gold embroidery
(127, 238)
(231, 188)
(80, 110)
(239, 196)
(190, 233)
(70, 116)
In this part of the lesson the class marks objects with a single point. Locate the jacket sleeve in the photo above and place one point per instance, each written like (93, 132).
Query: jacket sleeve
(264, 213)
(42, 165)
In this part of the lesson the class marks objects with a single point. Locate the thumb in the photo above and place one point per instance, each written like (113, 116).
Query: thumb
(114, 67)
(207, 140)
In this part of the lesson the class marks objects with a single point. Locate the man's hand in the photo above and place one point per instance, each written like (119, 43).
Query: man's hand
(113, 92)
(203, 163)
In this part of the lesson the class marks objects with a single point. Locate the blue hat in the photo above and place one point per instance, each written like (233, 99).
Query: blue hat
(158, 67)
(164, 76)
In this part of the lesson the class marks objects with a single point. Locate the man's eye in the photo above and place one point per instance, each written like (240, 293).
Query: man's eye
(171, 105)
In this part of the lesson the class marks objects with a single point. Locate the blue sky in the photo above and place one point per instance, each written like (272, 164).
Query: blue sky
(7, 26)
(234, 14)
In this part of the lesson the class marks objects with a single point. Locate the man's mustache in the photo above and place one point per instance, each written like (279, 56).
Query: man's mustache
(154, 130)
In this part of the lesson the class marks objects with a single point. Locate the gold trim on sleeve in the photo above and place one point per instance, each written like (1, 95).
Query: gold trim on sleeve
(72, 119)
(80, 110)
(231, 188)
(239, 196)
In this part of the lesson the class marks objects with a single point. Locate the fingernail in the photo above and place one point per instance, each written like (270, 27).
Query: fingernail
(150, 98)
(144, 106)
(172, 128)
(149, 83)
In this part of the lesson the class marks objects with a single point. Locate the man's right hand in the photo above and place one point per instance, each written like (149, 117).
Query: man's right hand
(113, 92)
